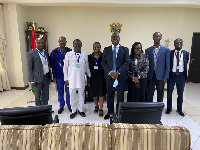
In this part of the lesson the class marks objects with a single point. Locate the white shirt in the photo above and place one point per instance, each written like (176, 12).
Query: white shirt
(117, 49)
(136, 61)
(74, 72)
(44, 62)
(181, 62)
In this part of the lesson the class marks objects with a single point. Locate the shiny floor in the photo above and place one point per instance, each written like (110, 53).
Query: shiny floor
(191, 107)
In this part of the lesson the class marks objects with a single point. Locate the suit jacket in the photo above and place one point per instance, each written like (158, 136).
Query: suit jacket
(122, 62)
(35, 67)
(162, 65)
(185, 60)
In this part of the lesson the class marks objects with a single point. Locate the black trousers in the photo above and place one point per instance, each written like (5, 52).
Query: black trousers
(159, 84)
(111, 94)
(137, 94)
(179, 81)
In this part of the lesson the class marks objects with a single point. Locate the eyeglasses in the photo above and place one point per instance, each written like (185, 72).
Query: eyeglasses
(137, 48)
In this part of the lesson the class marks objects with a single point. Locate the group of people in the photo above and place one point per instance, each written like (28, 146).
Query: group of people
(107, 72)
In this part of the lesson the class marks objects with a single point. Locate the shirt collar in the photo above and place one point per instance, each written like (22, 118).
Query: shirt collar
(156, 48)
(177, 51)
(116, 46)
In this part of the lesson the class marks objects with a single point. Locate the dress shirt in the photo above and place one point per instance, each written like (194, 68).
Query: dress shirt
(181, 62)
(45, 63)
(117, 49)
(155, 59)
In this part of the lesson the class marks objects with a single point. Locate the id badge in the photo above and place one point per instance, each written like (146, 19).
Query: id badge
(46, 62)
(96, 67)
(78, 66)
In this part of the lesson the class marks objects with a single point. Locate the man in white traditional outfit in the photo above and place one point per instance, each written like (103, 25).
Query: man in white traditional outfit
(75, 68)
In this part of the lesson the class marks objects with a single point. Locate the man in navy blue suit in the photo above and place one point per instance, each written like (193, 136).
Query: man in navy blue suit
(115, 61)
(159, 64)
(178, 75)
(56, 61)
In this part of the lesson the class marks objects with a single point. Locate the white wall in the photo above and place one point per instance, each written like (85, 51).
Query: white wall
(15, 50)
(22, 16)
(93, 24)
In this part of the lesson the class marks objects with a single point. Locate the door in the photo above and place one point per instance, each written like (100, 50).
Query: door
(194, 66)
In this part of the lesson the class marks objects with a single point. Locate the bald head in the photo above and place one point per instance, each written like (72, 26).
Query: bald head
(77, 44)
(115, 38)
(62, 42)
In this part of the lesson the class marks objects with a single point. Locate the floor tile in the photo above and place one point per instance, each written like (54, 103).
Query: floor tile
(191, 106)
(196, 118)
(192, 111)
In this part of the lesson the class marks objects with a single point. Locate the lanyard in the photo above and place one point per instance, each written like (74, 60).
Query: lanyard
(41, 53)
(156, 54)
(96, 60)
(61, 56)
(62, 53)
(78, 57)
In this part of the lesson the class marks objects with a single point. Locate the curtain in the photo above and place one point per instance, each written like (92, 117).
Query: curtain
(4, 82)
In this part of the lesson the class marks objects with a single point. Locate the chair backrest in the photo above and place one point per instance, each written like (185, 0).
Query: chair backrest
(140, 112)
(32, 115)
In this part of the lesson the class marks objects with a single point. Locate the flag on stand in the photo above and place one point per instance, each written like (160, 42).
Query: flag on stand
(33, 37)
(33, 47)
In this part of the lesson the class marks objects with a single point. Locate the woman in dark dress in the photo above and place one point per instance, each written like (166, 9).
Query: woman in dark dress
(137, 72)
(97, 81)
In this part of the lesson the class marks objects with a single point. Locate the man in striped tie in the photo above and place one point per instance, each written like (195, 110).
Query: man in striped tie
(115, 61)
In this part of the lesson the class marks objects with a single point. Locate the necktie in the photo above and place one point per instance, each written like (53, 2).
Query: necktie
(114, 59)
(177, 58)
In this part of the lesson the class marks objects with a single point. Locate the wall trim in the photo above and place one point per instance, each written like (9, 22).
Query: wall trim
(20, 88)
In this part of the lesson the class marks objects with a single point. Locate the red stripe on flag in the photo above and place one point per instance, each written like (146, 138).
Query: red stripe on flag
(33, 38)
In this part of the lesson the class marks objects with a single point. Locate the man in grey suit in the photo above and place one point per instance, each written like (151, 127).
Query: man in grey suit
(115, 60)
(39, 72)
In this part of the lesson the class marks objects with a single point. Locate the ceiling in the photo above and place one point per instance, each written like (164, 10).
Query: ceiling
(109, 3)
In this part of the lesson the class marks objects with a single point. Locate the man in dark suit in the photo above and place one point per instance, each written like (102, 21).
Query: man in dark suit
(39, 72)
(115, 61)
(178, 75)
(159, 64)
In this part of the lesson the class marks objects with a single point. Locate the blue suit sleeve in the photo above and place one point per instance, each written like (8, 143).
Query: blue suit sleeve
(167, 62)
(187, 56)
(124, 67)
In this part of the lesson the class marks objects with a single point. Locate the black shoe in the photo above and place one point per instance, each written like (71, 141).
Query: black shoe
(107, 116)
(70, 109)
(60, 110)
(168, 111)
(73, 115)
(82, 114)
(180, 113)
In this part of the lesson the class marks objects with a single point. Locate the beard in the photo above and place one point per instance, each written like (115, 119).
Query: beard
(157, 42)
(178, 48)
